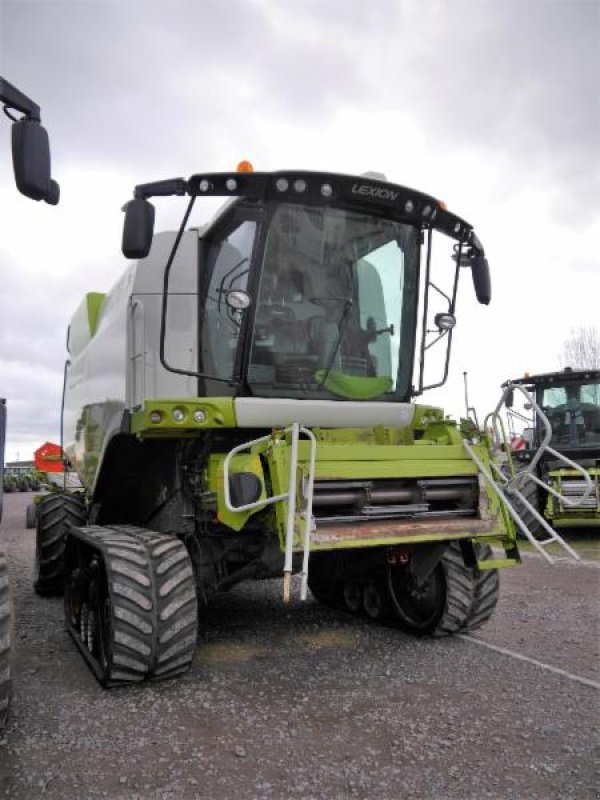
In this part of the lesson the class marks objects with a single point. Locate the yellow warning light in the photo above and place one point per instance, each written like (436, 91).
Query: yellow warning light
(244, 166)
(442, 205)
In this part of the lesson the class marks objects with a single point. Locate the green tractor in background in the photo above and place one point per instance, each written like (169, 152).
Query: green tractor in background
(240, 406)
(31, 163)
(562, 417)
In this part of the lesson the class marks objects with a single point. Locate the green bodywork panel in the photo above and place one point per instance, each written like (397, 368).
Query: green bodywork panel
(425, 459)
(572, 516)
(219, 413)
(240, 462)
(430, 447)
(94, 302)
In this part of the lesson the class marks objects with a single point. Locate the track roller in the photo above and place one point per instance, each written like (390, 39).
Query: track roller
(374, 600)
(130, 603)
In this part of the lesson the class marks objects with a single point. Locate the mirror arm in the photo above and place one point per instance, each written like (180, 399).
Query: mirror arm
(13, 98)
(167, 188)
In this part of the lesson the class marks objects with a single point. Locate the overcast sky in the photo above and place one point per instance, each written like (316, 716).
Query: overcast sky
(491, 106)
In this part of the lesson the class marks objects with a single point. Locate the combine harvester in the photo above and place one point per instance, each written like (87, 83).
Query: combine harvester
(239, 407)
(31, 163)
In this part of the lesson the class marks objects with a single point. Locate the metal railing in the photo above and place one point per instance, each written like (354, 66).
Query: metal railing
(513, 484)
(290, 495)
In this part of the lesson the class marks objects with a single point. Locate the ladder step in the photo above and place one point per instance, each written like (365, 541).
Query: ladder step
(497, 563)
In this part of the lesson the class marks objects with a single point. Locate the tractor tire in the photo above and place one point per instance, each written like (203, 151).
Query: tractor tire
(449, 600)
(56, 514)
(31, 515)
(530, 493)
(6, 639)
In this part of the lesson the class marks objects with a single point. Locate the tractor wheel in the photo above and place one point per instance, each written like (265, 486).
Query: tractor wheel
(442, 603)
(31, 515)
(5, 642)
(531, 494)
(56, 515)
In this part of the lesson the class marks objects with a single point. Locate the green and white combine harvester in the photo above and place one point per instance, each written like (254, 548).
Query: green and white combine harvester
(239, 406)
(32, 171)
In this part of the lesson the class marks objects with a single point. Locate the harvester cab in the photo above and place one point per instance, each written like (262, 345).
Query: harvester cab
(239, 407)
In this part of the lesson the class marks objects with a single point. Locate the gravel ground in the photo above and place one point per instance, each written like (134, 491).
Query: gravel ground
(305, 702)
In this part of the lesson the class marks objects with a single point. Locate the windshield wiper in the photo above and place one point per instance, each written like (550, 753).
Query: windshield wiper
(341, 325)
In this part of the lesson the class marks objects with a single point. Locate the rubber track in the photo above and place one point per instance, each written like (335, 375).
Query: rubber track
(486, 589)
(57, 514)
(460, 592)
(153, 596)
(6, 637)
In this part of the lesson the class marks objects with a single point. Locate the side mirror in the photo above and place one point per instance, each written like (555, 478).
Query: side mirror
(509, 399)
(481, 279)
(31, 161)
(138, 228)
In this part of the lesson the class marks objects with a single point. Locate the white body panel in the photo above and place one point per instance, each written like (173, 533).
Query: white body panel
(266, 412)
(120, 365)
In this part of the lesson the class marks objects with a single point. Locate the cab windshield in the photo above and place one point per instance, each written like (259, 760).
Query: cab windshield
(335, 307)
(573, 410)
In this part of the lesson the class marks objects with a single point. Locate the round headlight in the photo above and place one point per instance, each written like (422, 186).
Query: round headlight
(178, 414)
(204, 185)
(199, 415)
(155, 417)
(427, 211)
(326, 190)
(300, 185)
(282, 184)
(231, 184)
(409, 206)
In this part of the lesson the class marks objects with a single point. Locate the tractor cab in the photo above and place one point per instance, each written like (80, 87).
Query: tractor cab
(570, 400)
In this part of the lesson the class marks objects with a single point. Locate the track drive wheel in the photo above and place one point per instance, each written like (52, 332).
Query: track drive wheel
(451, 598)
(57, 513)
(6, 638)
(130, 603)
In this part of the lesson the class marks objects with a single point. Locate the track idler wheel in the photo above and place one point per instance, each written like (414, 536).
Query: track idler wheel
(451, 598)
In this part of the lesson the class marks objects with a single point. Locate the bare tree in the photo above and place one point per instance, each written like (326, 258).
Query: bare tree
(582, 349)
